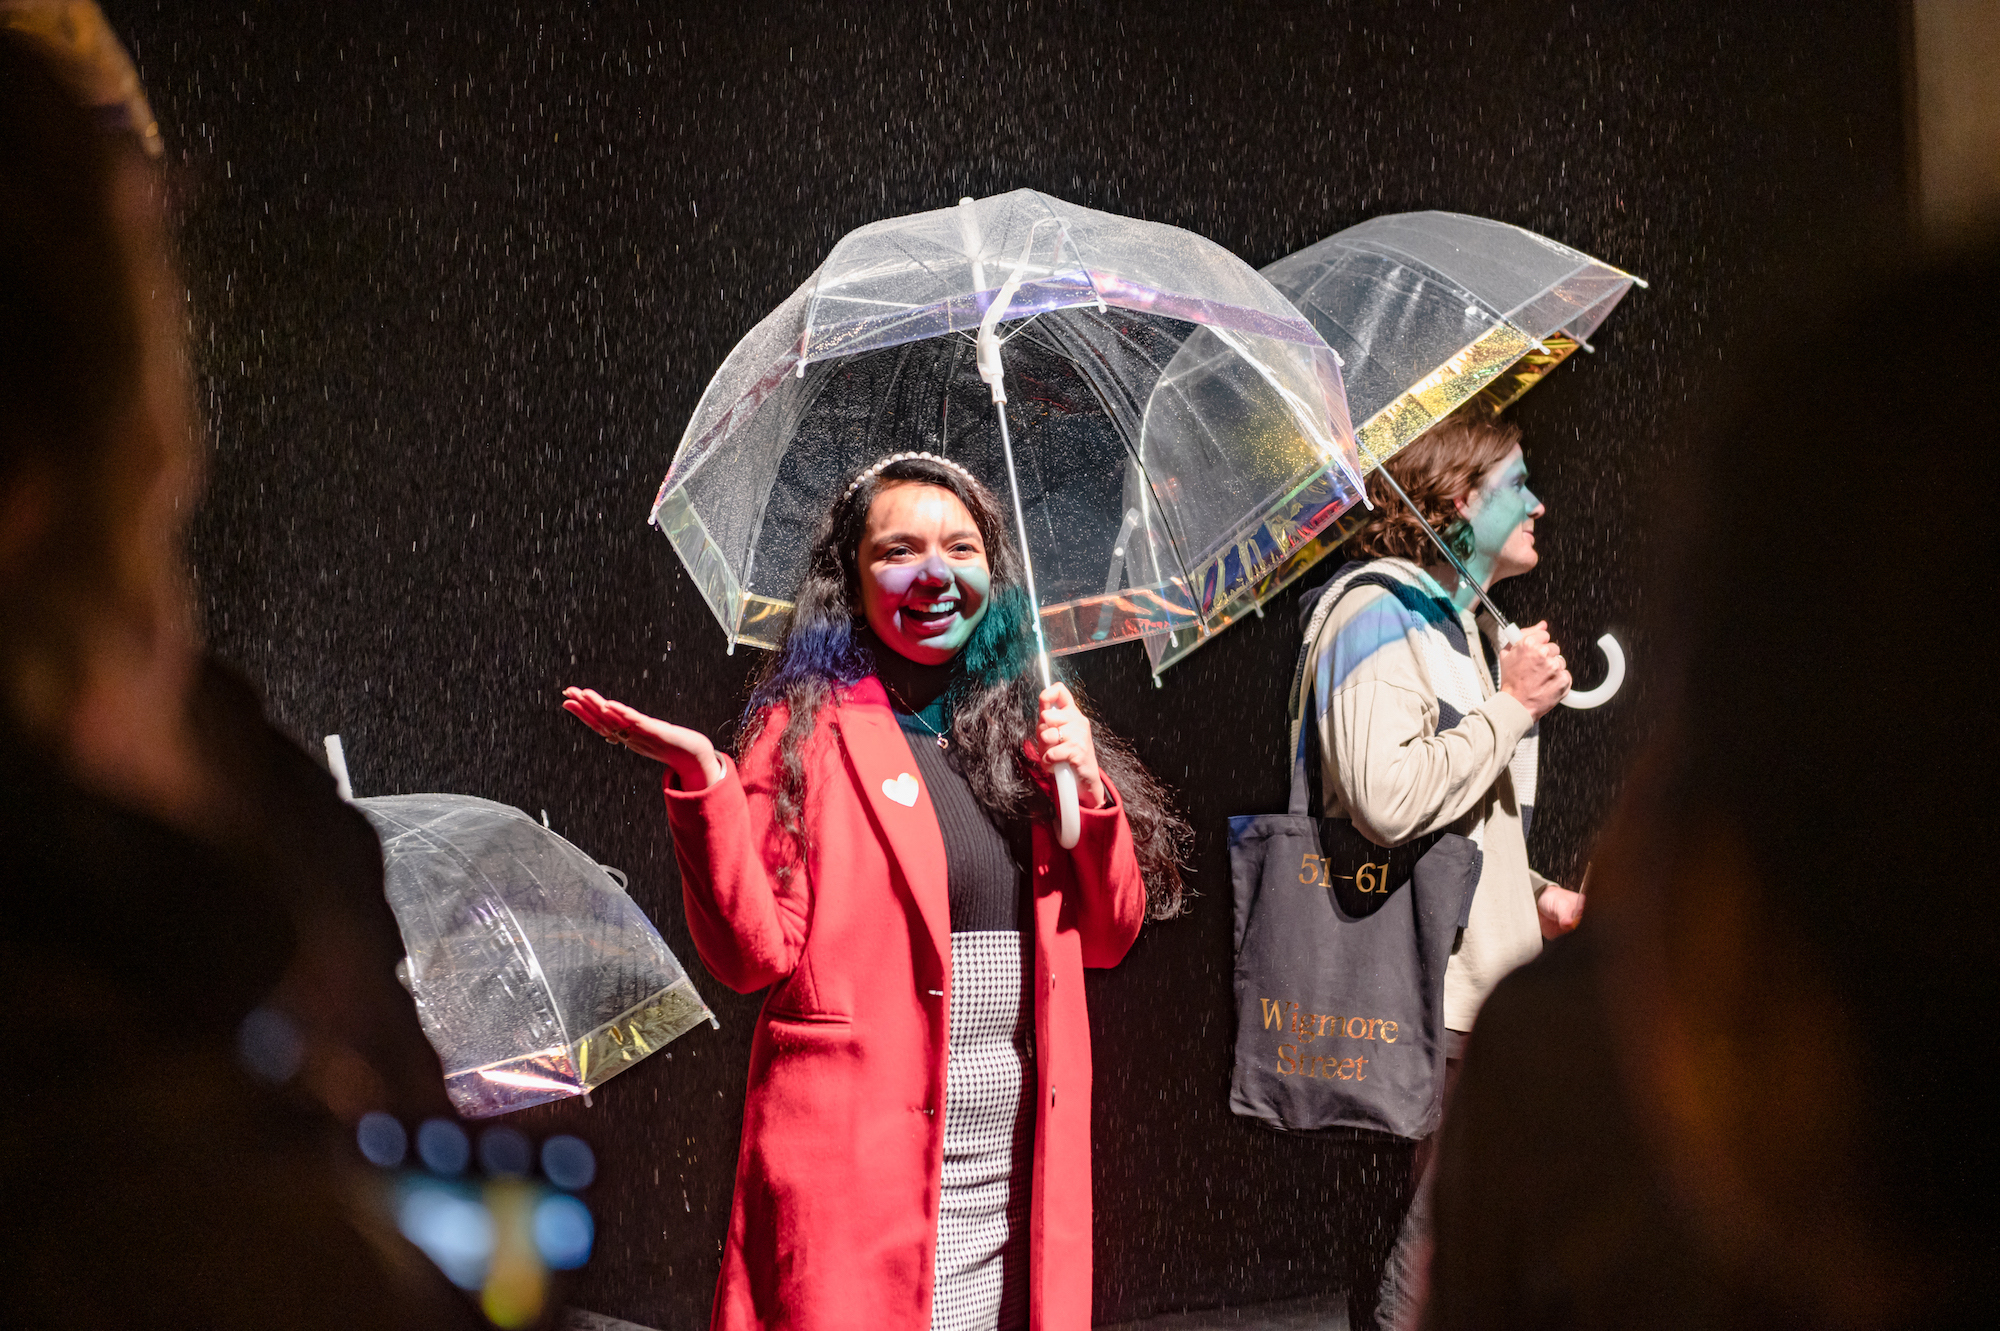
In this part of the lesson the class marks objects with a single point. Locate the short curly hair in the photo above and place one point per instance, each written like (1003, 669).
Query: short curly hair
(1435, 469)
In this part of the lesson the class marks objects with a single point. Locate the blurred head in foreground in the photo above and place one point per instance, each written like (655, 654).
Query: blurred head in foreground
(97, 454)
(1803, 881)
(195, 954)
(101, 675)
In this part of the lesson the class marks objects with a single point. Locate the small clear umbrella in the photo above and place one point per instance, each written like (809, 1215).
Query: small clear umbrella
(535, 975)
(1428, 312)
(896, 343)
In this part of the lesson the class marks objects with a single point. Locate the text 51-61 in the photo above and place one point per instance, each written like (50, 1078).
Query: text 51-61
(1315, 869)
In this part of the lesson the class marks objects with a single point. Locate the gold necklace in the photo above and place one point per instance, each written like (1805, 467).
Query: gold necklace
(942, 740)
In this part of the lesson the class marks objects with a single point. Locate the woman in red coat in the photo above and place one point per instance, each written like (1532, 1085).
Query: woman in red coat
(916, 1139)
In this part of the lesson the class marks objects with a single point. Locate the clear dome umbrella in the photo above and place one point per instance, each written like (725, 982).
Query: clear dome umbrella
(1429, 312)
(1028, 340)
(535, 976)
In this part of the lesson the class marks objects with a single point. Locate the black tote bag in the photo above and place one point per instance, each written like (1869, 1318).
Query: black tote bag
(1341, 947)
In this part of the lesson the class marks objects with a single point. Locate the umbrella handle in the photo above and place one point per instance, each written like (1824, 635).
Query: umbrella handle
(1069, 822)
(1585, 699)
(1614, 677)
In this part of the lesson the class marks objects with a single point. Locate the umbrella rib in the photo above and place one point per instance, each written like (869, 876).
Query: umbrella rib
(1022, 327)
(1330, 452)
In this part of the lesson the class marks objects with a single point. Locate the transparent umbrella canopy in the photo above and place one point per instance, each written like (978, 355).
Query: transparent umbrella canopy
(914, 328)
(1427, 312)
(535, 975)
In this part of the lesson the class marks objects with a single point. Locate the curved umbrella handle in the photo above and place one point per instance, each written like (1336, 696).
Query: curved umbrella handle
(1069, 822)
(1614, 677)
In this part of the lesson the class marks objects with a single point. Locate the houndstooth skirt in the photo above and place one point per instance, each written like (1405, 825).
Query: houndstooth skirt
(989, 1127)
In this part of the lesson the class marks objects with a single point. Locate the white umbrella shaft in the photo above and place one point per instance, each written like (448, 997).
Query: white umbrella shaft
(1069, 823)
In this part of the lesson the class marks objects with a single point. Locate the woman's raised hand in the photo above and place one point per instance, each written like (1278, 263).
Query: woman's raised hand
(688, 752)
(1065, 736)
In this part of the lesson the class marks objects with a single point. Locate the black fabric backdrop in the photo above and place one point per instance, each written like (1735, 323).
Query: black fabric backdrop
(461, 270)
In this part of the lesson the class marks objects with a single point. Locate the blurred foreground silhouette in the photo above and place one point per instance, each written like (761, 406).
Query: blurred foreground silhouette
(1747, 1095)
(196, 961)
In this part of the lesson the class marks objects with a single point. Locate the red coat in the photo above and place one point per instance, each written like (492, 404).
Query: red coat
(835, 1213)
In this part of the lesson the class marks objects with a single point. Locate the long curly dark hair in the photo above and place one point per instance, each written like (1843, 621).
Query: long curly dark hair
(993, 699)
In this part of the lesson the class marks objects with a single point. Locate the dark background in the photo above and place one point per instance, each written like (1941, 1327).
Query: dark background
(461, 270)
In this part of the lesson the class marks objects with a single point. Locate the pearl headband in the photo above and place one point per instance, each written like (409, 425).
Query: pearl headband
(868, 473)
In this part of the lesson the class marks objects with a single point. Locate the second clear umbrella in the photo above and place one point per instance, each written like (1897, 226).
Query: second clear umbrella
(1432, 312)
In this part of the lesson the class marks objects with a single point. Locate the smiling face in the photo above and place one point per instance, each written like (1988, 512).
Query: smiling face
(924, 578)
(1501, 511)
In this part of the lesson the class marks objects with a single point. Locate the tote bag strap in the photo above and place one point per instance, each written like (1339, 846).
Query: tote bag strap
(1305, 738)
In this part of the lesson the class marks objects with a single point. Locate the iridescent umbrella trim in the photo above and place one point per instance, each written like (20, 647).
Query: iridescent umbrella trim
(586, 1064)
(1502, 364)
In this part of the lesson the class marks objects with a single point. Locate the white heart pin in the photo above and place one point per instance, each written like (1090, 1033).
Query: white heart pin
(903, 790)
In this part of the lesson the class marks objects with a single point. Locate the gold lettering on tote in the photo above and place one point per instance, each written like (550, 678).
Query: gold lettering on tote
(1315, 869)
(1372, 878)
(1293, 1063)
(1298, 1028)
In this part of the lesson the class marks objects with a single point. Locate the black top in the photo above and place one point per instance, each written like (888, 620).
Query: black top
(987, 860)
